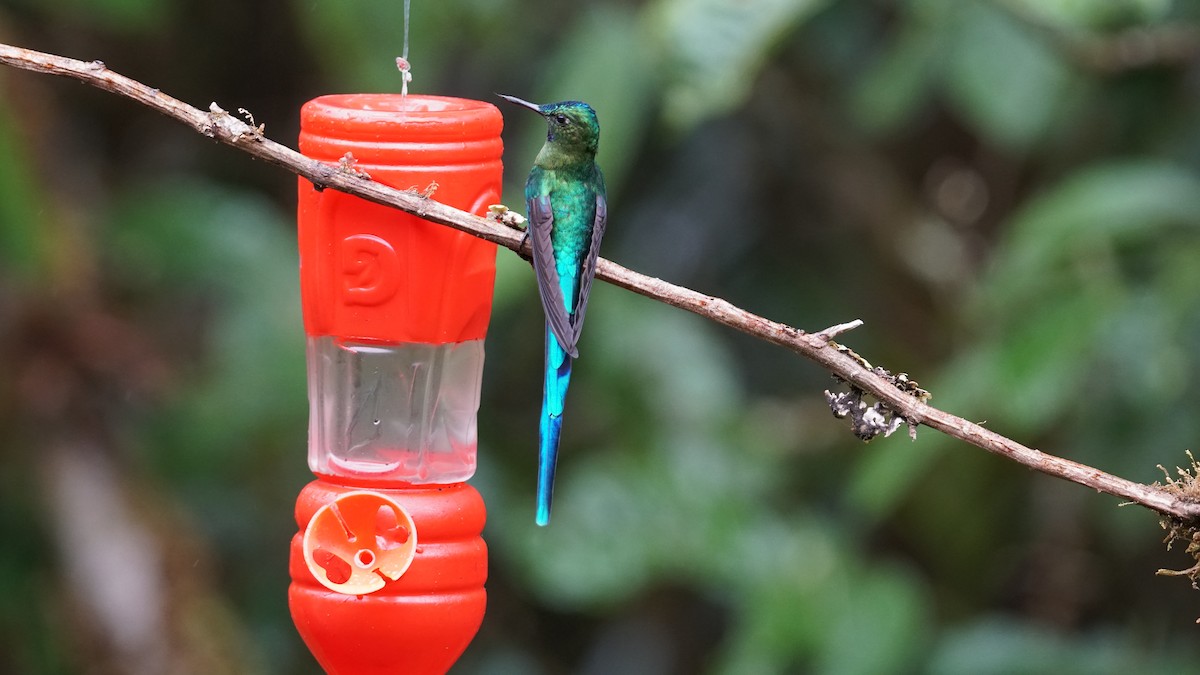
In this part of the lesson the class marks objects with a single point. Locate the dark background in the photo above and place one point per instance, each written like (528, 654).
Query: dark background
(1006, 192)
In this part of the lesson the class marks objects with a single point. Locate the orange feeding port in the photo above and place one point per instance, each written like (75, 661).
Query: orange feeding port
(388, 566)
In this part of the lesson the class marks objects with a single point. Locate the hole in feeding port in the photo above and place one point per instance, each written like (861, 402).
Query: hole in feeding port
(336, 569)
(390, 533)
(365, 558)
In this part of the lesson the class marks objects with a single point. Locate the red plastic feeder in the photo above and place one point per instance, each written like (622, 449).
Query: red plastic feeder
(388, 567)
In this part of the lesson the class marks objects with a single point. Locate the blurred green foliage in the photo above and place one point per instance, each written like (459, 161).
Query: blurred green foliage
(1006, 191)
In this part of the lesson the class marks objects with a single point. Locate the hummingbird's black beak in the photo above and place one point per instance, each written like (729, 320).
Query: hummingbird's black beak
(521, 102)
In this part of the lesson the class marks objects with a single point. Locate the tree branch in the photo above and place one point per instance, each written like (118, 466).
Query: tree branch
(1172, 44)
(818, 347)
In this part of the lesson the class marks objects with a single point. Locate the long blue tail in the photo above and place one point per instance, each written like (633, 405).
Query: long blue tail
(554, 395)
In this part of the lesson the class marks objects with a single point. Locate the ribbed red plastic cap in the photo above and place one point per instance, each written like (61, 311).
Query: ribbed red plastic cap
(370, 272)
(418, 624)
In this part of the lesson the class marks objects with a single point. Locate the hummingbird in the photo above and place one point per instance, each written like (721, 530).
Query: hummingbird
(567, 215)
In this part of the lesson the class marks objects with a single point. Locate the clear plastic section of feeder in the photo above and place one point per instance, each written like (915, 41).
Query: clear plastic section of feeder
(394, 413)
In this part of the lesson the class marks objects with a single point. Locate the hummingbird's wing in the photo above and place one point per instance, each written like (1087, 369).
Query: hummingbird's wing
(541, 224)
(589, 264)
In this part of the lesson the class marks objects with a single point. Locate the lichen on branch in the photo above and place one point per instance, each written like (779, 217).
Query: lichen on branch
(1186, 485)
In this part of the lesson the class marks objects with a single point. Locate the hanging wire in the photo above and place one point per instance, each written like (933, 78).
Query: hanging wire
(402, 61)
(404, 54)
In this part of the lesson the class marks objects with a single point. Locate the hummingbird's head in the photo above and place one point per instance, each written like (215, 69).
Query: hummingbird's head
(571, 125)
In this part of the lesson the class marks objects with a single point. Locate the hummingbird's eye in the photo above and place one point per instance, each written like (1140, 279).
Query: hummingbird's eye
(560, 118)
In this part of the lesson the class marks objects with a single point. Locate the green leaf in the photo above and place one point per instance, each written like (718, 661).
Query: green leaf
(192, 238)
(1066, 231)
(782, 583)
(897, 86)
(1031, 368)
(1006, 81)
(1093, 14)
(714, 49)
(879, 626)
(23, 220)
(885, 473)
(1059, 286)
(1002, 646)
(123, 16)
